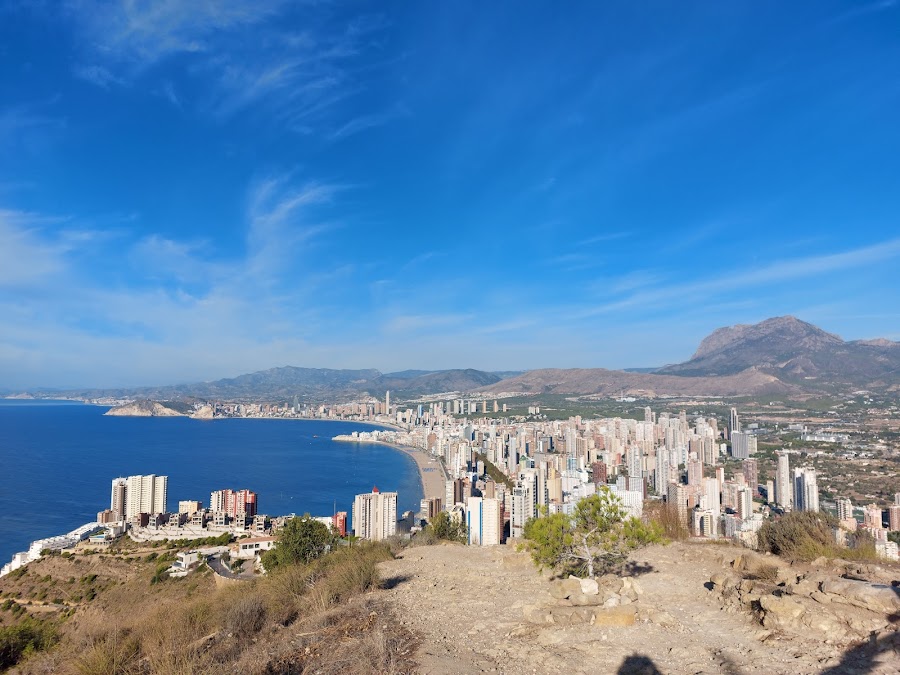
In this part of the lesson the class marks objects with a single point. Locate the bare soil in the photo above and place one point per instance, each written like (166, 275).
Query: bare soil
(467, 603)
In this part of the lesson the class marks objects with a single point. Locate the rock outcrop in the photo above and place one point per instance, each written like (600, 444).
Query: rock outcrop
(143, 408)
(607, 601)
(813, 600)
(204, 412)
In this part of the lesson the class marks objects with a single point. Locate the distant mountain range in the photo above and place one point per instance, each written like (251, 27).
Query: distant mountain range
(783, 356)
(316, 383)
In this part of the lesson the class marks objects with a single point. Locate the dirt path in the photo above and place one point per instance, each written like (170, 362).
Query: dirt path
(467, 604)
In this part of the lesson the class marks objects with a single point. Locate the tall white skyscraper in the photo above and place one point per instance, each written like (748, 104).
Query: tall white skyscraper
(734, 422)
(375, 515)
(806, 490)
(783, 488)
(744, 503)
(524, 502)
(144, 494)
(483, 521)
(712, 495)
(743, 445)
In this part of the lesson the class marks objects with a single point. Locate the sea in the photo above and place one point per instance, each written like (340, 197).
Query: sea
(58, 459)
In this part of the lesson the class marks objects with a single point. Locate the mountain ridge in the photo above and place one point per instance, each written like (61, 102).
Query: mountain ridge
(781, 355)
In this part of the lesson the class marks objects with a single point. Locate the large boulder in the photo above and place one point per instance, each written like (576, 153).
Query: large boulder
(781, 612)
(874, 597)
(565, 589)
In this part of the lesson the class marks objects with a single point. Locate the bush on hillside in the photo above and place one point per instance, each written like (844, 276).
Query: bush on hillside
(594, 539)
(23, 638)
(301, 540)
(450, 529)
(807, 535)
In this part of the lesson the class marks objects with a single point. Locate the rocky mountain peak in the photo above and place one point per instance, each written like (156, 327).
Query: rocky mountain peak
(776, 333)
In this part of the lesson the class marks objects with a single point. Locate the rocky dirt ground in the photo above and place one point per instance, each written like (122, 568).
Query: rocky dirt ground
(467, 605)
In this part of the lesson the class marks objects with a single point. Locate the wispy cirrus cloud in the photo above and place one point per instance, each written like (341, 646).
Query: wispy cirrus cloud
(779, 271)
(143, 33)
(98, 76)
(161, 298)
(358, 124)
(239, 58)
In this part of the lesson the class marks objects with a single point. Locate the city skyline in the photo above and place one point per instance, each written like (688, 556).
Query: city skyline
(195, 192)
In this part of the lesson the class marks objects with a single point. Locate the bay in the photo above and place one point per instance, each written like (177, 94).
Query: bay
(57, 460)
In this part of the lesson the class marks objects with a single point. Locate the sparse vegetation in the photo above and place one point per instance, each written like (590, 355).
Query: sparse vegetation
(25, 637)
(596, 538)
(187, 626)
(445, 527)
(664, 516)
(807, 535)
(301, 540)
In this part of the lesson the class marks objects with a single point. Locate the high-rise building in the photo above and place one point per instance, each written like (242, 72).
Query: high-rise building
(143, 494)
(806, 490)
(743, 445)
(339, 523)
(894, 517)
(750, 469)
(387, 402)
(117, 500)
(734, 423)
(694, 472)
(712, 494)
(375, 515)
(844, 509)
(872, 517)
(234, 502)
(524, 502)
(744, 503)
(676, 496)
(783, 485)
(598, 473)
(483, 521)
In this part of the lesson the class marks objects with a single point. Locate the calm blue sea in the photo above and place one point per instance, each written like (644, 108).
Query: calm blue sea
(57, 461)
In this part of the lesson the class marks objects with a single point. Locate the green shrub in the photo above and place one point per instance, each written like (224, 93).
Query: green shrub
(23, 638)
(807, 535)
(595, 538)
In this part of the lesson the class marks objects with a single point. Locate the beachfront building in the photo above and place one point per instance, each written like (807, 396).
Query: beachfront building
(375, 515)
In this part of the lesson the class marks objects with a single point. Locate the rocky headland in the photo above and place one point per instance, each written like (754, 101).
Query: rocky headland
(143, 408)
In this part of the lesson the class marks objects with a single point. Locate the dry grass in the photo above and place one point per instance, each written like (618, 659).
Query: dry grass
(316, 617)
(667, 518)
(356, 638)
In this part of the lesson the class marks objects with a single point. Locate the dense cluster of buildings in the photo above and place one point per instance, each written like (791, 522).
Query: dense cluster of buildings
(504, 473)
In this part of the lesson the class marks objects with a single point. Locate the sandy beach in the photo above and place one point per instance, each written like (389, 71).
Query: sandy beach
(431, 472)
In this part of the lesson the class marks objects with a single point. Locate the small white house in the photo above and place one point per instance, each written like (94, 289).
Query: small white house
(250, 548)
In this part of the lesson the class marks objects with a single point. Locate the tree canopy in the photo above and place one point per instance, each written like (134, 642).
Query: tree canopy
(301, 540)
(595, 538)
(444, 526)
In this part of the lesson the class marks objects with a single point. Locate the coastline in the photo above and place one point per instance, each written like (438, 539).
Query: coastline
(431, 472)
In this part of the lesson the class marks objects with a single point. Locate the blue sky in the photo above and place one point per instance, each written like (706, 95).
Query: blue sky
(192, 190)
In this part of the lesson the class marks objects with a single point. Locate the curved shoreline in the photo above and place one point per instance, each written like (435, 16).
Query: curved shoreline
(431, 472)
